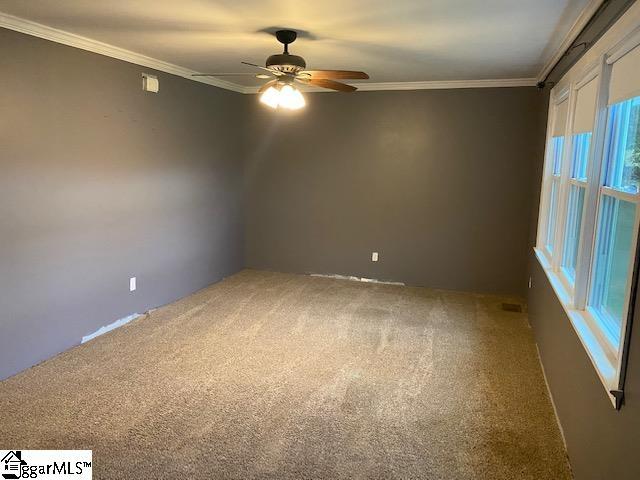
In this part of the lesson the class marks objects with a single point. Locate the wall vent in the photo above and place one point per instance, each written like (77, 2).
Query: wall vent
(512, 307)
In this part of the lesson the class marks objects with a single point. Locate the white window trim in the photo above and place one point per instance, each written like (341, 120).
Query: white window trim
(578, 290)
(607, 358)
(565, 177)
(547, 176)
(586, 328)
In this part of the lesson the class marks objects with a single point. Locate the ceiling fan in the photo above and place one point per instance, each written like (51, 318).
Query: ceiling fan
(285, 69)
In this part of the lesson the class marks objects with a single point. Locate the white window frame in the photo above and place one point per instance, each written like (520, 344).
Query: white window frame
(608, 357)
(578, 290)
(556, 99)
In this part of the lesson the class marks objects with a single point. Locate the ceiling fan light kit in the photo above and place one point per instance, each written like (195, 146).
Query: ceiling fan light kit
(284, 96)
(287, 69)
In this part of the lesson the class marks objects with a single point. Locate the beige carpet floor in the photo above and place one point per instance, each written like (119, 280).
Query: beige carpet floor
(278, 376)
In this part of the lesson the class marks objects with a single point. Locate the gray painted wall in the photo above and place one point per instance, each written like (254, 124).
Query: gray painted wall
(602, 443)
(435, 181)
(101, 181)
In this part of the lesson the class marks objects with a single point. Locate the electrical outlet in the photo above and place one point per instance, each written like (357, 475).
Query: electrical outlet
(374, 256)
(132, 284)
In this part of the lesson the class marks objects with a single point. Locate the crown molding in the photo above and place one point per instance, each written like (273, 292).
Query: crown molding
(585, 15)
(71, 39)
(59, 36)
(427, 85)
(448, 84)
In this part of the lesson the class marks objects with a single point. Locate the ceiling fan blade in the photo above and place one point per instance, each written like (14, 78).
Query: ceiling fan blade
(272, 72)
(267, 85)
(339, 74)
(330, 84)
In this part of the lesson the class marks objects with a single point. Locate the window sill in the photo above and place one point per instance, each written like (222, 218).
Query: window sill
(584, 325)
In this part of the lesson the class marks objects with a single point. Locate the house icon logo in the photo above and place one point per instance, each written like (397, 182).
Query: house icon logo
(11, 464)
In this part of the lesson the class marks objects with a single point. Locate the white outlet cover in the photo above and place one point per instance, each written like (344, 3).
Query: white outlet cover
(374, 256)
(132, 284)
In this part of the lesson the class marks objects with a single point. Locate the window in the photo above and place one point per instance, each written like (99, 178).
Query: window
(590, 202)
(556, 154)
(615, 247)
(582, 132)
(623, 172)
(572, 229)
(557, 147)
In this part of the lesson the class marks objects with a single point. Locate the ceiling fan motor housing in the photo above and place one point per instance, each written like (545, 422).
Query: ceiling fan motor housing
(285, 62)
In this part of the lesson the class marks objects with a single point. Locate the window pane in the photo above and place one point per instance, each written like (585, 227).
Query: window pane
(580, 155)
(557, 144)
(623, 159)
(553, 210)
(613, 261)
(572, 231)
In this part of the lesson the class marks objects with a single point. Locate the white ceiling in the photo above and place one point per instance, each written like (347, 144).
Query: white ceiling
(392, 40)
